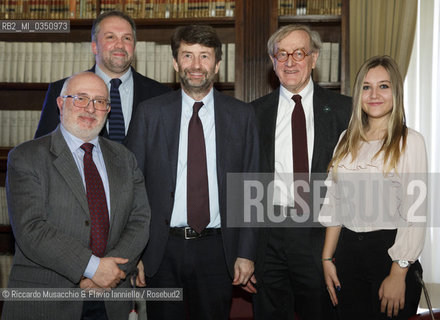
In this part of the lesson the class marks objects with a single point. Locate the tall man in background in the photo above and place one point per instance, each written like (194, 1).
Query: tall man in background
(78, 210)
(186, 142)
(113, 44)
(299, 125)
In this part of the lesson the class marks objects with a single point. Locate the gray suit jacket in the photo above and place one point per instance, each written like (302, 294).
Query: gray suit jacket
(51, 222)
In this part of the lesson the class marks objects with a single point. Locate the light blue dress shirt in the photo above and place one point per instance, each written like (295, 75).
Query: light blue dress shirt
(207, 116)
(125, 91)
(74, 145)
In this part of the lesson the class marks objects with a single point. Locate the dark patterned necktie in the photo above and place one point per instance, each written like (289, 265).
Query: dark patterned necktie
(299, 150)
(116, 118)
(197, 174)
(97, 203)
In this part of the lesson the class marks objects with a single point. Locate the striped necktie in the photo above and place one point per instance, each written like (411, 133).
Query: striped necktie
(116, 118)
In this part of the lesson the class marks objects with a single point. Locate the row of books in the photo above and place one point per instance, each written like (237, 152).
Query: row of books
(4, 218)
(5, 269)
(327, 65)
(43, 61)
(48, 9)
(309, 7)
(17, 126)
(152, 9)
(34, 62)
(138, 9)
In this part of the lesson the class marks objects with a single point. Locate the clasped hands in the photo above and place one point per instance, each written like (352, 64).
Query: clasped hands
(107, 276)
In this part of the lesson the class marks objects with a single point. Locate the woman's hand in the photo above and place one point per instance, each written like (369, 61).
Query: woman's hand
(392, 291)
(331, 280)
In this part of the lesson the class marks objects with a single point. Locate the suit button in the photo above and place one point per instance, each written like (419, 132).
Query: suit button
(167, 222)
(86, 223)
(172, 194)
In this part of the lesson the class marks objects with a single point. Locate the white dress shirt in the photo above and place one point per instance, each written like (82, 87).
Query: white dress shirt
(207, 116)
(283, 142)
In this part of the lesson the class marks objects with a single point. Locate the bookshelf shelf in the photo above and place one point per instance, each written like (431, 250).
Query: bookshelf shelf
(20, 86)
(318, 19)
(217, 21)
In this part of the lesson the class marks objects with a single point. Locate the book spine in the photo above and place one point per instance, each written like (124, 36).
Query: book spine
(29, 62)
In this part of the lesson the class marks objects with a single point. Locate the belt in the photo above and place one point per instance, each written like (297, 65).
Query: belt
(189, 233)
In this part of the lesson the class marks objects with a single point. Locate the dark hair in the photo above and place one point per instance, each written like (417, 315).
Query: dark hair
(196, 34)
(114, 13)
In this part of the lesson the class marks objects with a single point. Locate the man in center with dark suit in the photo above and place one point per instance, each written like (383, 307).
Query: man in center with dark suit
(299, 126)
(113, 44)
(186, 142)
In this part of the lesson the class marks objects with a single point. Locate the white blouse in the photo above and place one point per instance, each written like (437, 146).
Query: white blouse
(362, 198)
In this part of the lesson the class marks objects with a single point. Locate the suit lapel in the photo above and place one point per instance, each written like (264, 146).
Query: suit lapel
(115, 179)
(170, 117)
(322, 126)
(66, 166)
(268, 118)
(222, 119)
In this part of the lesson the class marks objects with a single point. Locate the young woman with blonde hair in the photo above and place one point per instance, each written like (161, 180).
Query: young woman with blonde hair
(373, 241)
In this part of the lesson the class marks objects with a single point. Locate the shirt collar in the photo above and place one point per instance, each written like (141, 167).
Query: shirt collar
(107, 79)
(208, 102)
(307, 91)
(75, 143)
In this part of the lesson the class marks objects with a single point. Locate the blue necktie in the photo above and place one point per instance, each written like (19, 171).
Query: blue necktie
(116, 118)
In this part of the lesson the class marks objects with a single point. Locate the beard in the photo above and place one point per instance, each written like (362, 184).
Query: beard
(198, 86)
(115, 65)
(71, 123)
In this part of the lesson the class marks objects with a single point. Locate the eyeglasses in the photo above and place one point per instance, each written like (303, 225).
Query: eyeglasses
(100, 104)
(297, 55)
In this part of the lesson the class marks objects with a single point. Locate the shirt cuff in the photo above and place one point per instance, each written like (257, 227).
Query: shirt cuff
(92, 266)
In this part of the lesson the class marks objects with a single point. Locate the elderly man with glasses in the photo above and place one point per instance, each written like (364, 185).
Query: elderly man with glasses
(78, 209)
(299, 125)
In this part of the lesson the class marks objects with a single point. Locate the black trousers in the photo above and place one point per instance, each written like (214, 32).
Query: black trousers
(94, 310)
(292, 281)
(199, 267)
(362, 263)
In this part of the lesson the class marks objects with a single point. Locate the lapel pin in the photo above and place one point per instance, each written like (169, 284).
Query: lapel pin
(326, 109)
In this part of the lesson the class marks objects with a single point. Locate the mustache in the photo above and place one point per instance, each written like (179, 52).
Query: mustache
(119, 51)
(88, 115)
(188, 70)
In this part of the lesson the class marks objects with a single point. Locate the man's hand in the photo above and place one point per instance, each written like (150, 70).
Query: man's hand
(88, 285)
(243, 274)
(108, 273)
(140, 279)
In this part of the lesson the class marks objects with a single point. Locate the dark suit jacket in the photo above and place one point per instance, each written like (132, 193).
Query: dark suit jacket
(331, 116)
(144, 88)
(154, 138)
(51, 222)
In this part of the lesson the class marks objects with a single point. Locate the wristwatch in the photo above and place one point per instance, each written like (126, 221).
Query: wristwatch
(402, 263)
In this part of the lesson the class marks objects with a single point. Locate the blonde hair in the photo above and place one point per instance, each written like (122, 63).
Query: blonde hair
(394, 141)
